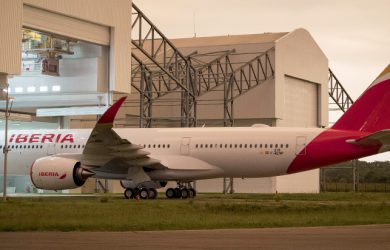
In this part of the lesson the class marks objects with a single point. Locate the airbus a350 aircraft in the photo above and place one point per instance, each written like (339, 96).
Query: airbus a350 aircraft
(144, 159)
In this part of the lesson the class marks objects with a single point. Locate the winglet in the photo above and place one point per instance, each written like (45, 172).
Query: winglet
(109, 115)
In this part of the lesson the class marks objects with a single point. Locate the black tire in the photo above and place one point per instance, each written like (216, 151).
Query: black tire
(144, 193)
(177, 193)
(184, 193)
(136, 193)
(129, 193)
(192, 192)
(152, 194)
(170, 193)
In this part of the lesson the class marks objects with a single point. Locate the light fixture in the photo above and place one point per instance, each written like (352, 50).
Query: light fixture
(43, 89)
(31, 89)
(18, 89)
(56, 88)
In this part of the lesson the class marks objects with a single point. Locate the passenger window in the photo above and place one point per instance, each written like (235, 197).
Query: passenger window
(42, 146)
(255, 145)
(265, 145)
(206, 145)
(245, 145)
(168, 145)
(220, 145)
(225, 145)
(201, 145)
(211, 145)
(235, 145)
(158, 145)
(148, 145)
(286, 145)
(281, 145)
(270, 145)
(79, 146)
(231, 145)
(154, 145)
(163, 145)
(276, 145)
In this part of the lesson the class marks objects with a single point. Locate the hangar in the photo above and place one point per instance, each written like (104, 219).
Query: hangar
(76, 61)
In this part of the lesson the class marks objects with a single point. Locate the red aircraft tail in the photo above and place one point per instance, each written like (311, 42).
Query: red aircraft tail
(371, 111)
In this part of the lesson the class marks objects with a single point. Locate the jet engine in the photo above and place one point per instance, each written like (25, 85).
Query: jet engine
(57, 173)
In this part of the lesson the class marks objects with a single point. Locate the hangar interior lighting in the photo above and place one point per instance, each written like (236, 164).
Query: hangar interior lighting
(31, 89)
(43, 89)
(56, 88)
(18, 89)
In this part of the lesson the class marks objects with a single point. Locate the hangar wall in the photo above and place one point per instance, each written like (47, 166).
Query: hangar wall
(296, 97)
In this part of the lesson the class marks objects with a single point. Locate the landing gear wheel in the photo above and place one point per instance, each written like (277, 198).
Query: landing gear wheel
(170, 193)
(144, 193)
(184, 193)
(177, 193)
(192, 192)
(129, 193)
(152, 193)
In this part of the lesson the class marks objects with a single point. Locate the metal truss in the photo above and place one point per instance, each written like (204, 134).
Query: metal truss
(338, 93)
(214, 73)
(343, 101)
(249, 75)
(168, 70)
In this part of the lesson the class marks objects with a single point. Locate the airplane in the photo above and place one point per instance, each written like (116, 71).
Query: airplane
(145, 159)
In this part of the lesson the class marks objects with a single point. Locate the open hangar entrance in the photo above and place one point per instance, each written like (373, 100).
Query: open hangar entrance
(73, 58)
(215, 81)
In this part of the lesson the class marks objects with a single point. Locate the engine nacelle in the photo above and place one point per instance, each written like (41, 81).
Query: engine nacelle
(57, 173)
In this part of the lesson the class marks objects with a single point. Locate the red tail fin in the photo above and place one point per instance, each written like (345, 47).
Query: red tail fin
(371, 112)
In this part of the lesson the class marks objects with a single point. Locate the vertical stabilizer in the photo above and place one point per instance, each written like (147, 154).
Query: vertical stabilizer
(371, 112)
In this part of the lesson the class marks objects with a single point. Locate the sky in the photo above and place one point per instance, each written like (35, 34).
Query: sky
(354, 35)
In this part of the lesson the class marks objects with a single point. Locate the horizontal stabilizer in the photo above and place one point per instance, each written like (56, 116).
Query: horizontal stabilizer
(378, 138)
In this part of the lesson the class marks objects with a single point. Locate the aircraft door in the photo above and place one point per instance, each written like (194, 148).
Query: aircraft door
(300, 147)
(185, 145)
(51, 149)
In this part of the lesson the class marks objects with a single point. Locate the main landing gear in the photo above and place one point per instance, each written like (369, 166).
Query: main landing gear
(140, 193)
(181, 192)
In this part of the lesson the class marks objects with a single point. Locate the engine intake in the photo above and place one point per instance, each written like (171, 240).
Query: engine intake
(58, 173)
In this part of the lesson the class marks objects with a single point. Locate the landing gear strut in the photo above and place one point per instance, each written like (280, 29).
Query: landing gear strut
(181, 192)
(140, 193)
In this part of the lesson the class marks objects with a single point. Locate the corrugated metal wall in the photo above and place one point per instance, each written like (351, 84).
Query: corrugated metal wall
(10, 36)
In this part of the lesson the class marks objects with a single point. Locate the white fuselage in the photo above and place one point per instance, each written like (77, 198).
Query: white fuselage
(232, 152)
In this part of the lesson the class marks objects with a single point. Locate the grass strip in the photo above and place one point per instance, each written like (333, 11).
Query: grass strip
(207, 211)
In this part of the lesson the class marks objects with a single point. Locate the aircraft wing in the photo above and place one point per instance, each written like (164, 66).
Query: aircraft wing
(378, 138)
(106, 150)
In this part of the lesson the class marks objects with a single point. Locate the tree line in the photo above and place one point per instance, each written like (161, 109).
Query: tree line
(368, 172)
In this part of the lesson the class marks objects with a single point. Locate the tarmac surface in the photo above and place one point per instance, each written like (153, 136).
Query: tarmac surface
(345, 237)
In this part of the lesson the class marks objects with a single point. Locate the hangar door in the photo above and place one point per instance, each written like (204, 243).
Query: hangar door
(300, 103)
(51, 22)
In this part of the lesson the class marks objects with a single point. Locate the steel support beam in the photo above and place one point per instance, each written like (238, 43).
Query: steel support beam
(338, 93)
(171, 70)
